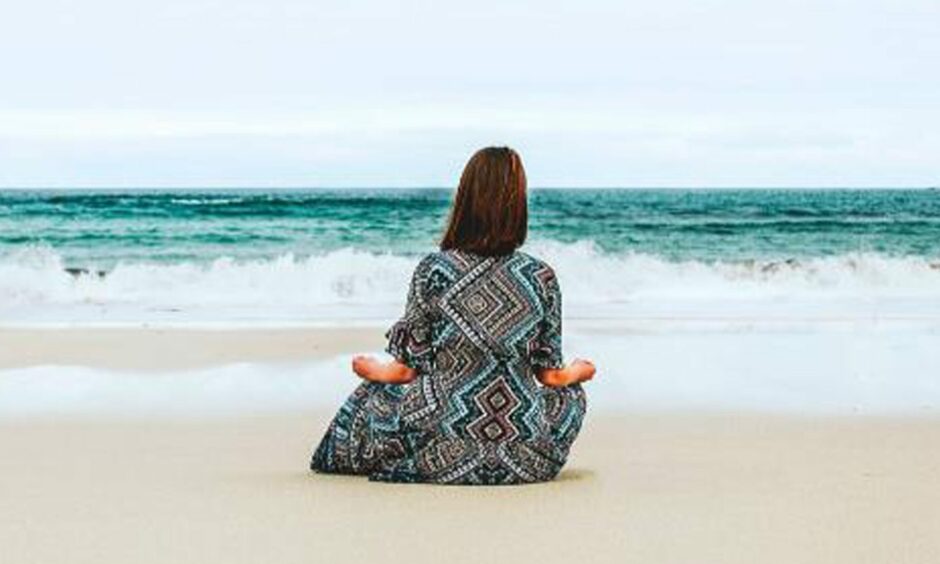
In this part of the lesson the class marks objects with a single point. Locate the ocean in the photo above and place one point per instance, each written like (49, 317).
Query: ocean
(316, 254)
(100, 229)
(794, 300)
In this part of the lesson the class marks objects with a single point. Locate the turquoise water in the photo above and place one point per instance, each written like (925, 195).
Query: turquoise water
(103, 228)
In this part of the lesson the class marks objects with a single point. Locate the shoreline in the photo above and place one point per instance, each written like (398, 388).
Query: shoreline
(147, 346)
(854, 368)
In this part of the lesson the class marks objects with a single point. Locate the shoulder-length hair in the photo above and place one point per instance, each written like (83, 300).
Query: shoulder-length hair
(490, 215)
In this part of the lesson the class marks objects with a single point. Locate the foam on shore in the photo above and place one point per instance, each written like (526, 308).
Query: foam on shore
(864, 370)
(350, 285)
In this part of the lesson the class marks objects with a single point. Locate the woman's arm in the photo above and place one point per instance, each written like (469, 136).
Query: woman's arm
(393, 372)
(578, 371)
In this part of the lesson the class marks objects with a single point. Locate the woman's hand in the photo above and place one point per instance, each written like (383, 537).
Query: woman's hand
(366, 367)
(584, 369)
(372, 370)
(578, 371)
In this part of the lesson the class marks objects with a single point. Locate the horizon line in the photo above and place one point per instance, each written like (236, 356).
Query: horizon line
(429, 187)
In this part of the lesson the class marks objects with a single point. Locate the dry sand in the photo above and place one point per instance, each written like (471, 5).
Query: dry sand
(646, 489)
(159, 349)
(664, 488)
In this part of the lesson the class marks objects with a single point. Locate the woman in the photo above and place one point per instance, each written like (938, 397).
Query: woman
(477, 393)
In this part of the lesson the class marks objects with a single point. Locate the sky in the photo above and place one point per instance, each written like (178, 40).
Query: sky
(220, 93)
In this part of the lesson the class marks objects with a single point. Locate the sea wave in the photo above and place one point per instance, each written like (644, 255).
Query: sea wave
(33, 278)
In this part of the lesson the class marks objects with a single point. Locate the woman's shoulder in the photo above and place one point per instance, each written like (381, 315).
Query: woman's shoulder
(539, 267)
(457, 260)
(435, 264)
(426, 264)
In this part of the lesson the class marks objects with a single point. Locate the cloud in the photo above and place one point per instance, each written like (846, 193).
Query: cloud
(676, 92)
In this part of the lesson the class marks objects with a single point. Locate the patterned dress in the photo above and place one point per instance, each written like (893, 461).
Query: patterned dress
(475, 330)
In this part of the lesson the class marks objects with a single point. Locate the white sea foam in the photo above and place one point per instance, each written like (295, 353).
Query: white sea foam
(217, 201)
(352, 284)
(864, 370)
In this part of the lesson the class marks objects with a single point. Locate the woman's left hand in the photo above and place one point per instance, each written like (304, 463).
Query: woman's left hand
(372, 370)
(365, 367)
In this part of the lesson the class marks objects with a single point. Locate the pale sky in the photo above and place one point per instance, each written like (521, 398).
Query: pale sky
(375, 93)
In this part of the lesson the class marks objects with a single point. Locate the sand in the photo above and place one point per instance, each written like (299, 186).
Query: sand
(681, 487)
(160, 349)
(663, 488)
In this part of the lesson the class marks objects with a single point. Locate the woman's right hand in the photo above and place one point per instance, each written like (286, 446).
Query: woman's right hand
(578, 371)
(583, 370)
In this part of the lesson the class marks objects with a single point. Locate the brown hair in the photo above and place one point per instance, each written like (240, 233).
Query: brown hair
(489, 216)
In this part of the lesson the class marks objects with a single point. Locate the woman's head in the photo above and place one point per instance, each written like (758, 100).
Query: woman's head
(490, 215)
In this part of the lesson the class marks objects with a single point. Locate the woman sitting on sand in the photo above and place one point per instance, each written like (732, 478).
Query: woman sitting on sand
(461, 403)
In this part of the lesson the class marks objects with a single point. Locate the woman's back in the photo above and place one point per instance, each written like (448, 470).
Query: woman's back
(477, 393)
(479, 327)
(476, 329)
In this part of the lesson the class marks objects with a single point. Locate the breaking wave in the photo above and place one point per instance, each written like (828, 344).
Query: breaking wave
(34, 278)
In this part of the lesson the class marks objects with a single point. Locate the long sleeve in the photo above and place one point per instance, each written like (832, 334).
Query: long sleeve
(409, 339)
(547, 352)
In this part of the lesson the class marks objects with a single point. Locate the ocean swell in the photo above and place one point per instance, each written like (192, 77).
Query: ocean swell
(34, 278)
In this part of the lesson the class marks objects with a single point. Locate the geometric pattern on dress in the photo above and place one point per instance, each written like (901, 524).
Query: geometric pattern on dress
(496, 403)
(476, 329)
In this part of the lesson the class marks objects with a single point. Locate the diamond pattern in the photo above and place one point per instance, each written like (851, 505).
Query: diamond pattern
(476, 329)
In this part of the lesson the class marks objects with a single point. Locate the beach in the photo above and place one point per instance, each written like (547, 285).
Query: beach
(142, 349)
(169, 479)
(767, 383)
(719, 220)
(829, 363)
